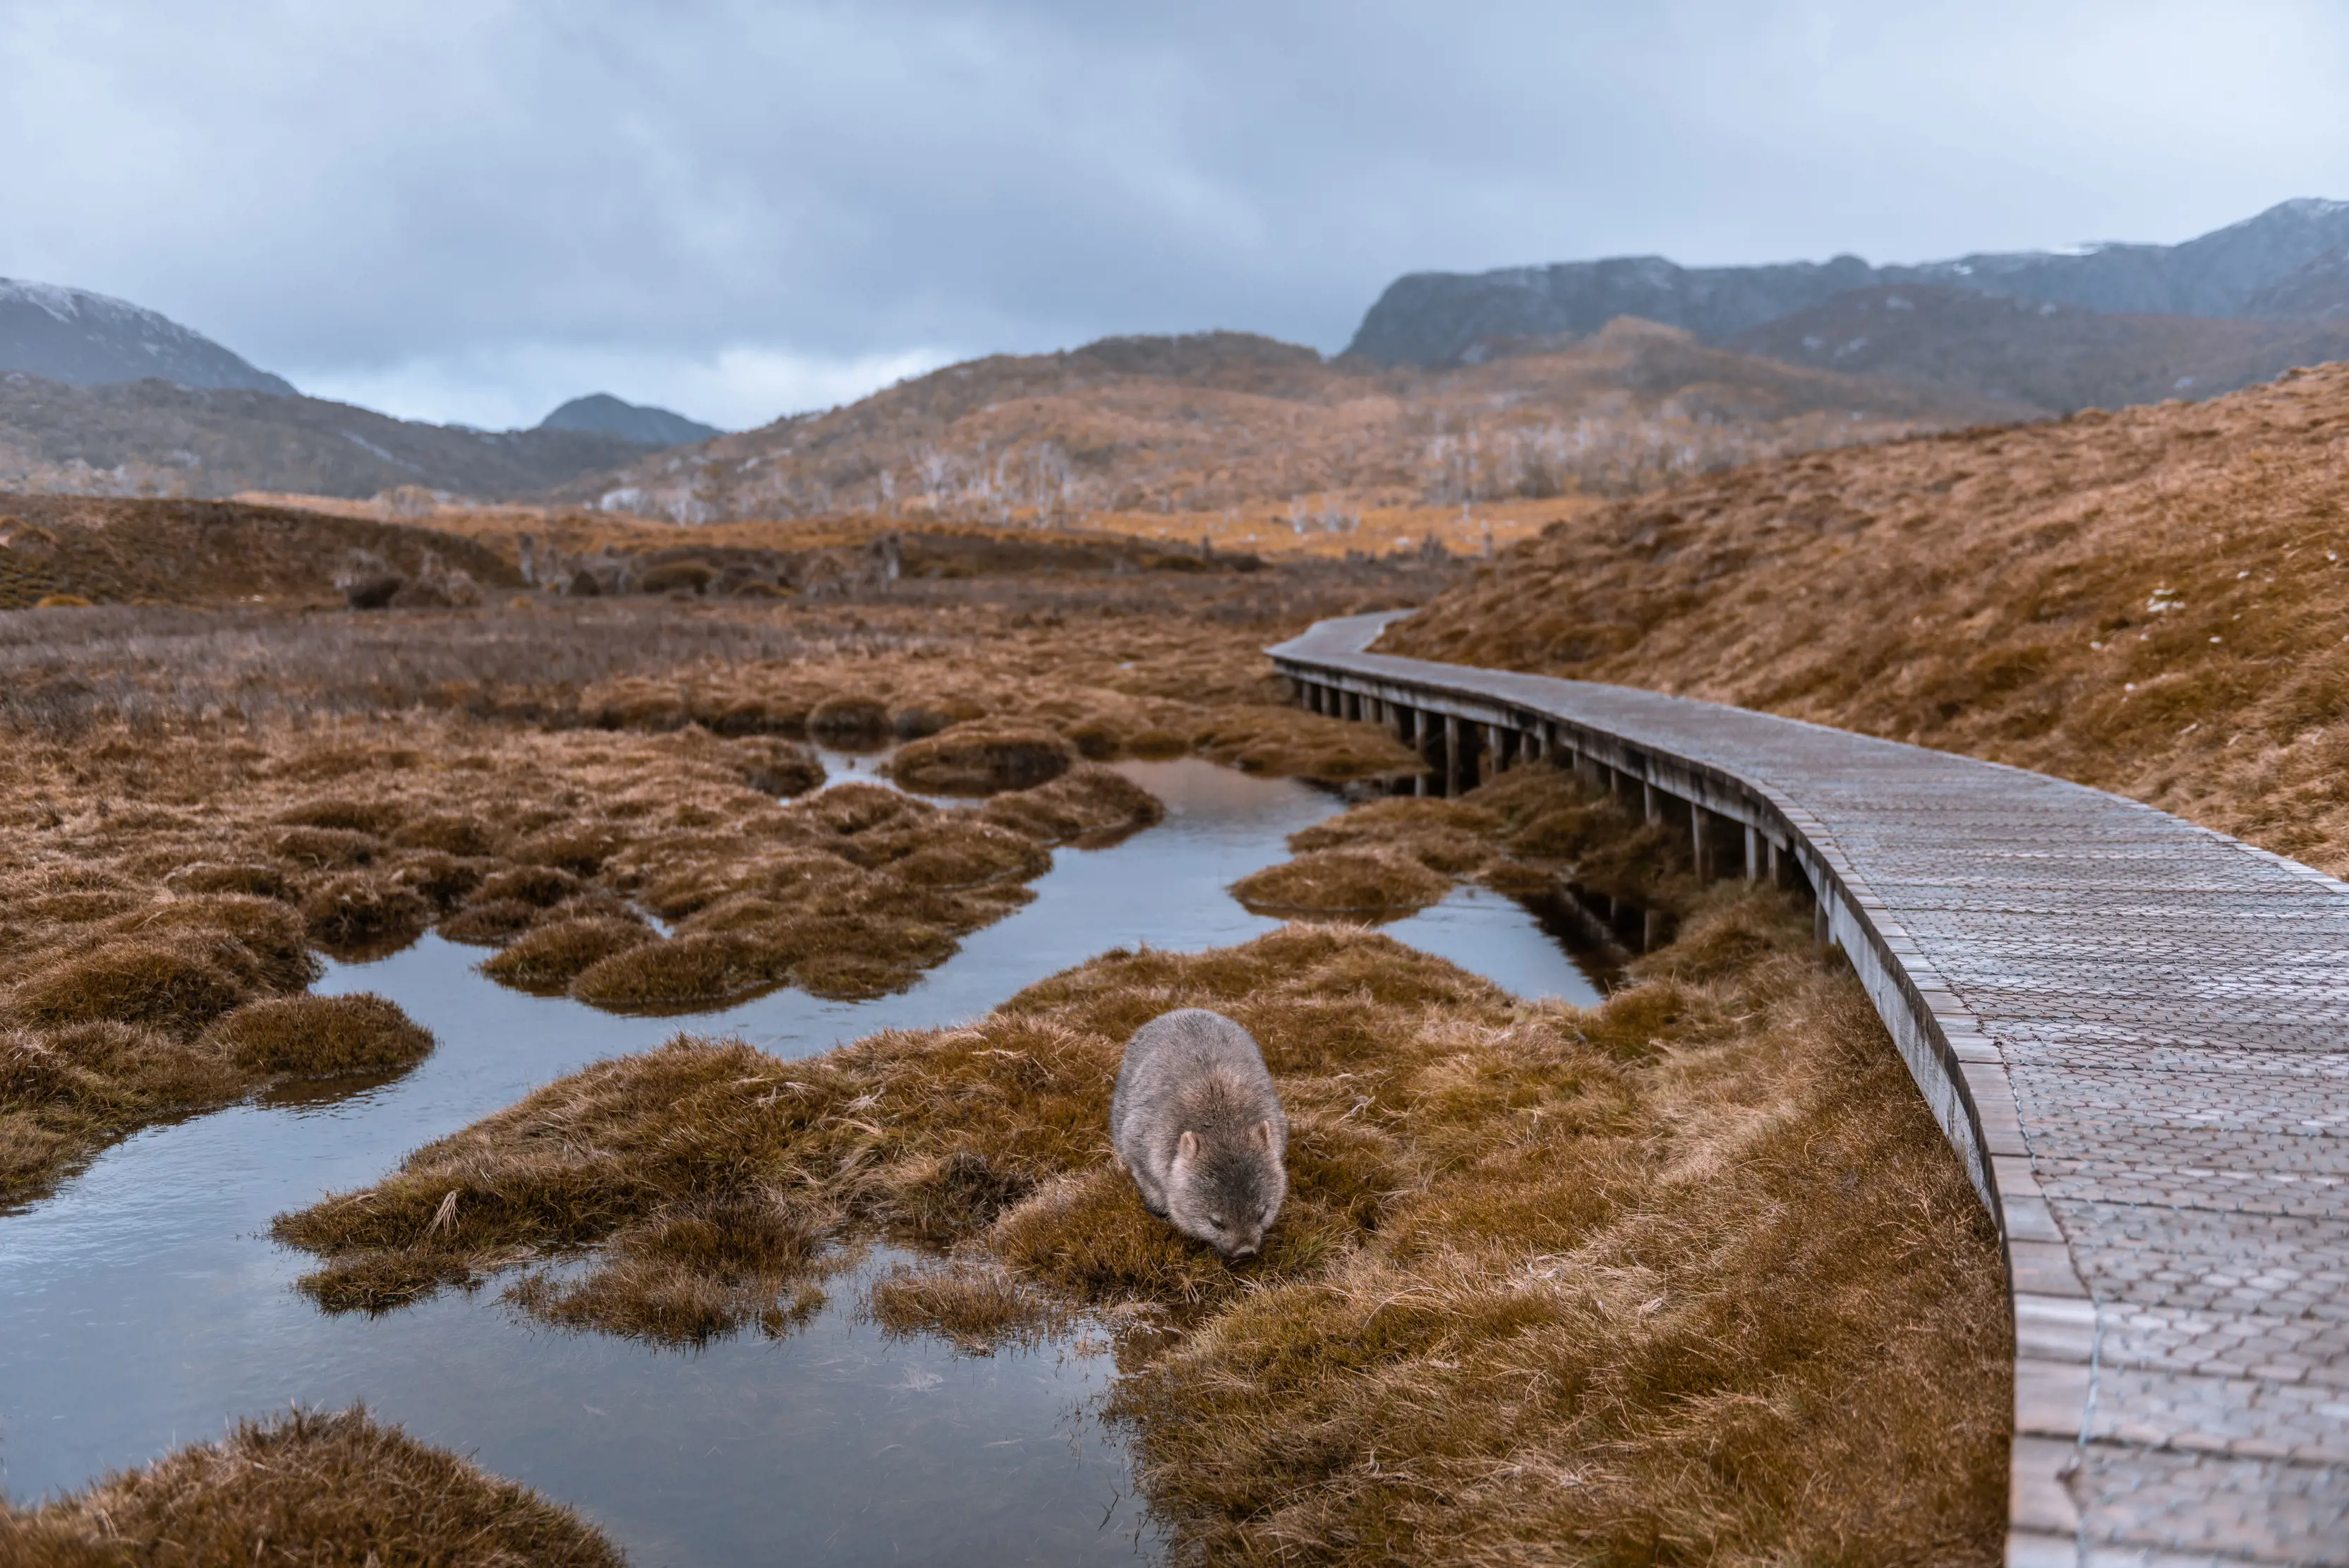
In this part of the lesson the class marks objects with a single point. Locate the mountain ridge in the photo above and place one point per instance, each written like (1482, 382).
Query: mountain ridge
(1439, 318)
(86, 339)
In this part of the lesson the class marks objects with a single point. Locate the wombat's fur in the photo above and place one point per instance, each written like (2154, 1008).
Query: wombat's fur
(1197, 1124)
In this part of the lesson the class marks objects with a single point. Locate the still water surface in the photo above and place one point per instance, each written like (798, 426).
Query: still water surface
(144, 1306)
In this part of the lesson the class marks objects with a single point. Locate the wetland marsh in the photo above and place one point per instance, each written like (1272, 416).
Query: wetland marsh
(817, 1246)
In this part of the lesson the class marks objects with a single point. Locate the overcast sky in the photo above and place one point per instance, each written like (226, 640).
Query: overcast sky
(469, 211)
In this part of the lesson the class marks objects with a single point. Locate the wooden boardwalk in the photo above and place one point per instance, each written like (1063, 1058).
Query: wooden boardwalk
(2134, 1031)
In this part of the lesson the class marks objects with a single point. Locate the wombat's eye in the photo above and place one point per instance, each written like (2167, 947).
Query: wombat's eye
(1216, 1221)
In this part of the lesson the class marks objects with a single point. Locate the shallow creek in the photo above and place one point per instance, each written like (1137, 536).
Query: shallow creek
(144, 1304)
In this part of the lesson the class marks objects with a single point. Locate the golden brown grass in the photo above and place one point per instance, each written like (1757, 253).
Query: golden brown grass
(1690, 1276)
(321, 1037)
(331, 1488)
(2152, 601)
(117, 1031)
(1533, 830)
(1368, 884)
(188, 808)
(982, 757)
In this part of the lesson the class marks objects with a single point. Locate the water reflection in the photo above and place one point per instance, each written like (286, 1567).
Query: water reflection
(144, 1306)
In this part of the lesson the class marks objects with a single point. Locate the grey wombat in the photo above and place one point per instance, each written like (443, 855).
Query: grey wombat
(1197, 1124)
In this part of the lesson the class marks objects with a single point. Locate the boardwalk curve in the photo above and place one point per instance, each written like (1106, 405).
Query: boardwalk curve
(2135, 1033)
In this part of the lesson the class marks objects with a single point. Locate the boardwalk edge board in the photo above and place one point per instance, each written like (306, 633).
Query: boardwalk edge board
(2193, 1407)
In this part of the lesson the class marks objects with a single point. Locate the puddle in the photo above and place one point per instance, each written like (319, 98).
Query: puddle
(144, 1306)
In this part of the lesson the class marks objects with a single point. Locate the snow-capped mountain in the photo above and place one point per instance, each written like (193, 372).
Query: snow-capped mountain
(89, 339)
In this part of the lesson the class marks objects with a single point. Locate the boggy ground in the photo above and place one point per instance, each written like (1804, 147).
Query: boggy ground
(192, 803)
(1690, 1276)
(334, 1489)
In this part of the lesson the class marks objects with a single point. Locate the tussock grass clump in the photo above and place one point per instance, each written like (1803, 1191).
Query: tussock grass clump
(366, 912)
(321, 1037)
(332, 1488)
(1089, 807)
(1528, 831)
(775, 767)
(983, 757)
(691, 974)
(1369, 884)
(547, 960)
(325, 848)
(850, 719)
(490, 922)
(461, 833)
(250, 877)
(272, 935)
(178, 985)
(373, 815)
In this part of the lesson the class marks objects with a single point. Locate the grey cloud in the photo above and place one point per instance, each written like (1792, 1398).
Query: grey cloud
(336, 192)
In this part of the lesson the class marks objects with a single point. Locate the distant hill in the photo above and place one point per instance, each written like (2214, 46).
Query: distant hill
(2042, 356)
(1210, 421)
(156, 438)
(1441, 319)
(89, 339)
(2317, 292)
(600, 414)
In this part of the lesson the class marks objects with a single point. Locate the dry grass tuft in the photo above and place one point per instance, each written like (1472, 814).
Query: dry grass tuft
(983, 757)
(334, 1489)
(321, 1037)
(1532, 830)
(177, 985)
(1089, 807)
(366, 912)
(1371, 884)
(980, 1307)
(546, 960)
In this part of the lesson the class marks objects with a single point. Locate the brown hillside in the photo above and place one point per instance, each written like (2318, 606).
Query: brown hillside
(2156, 602)
(1227, 421)
(112, 551)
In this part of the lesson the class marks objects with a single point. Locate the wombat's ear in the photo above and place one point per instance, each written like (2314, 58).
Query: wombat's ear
(1188, 1145)
(1263, 1131)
